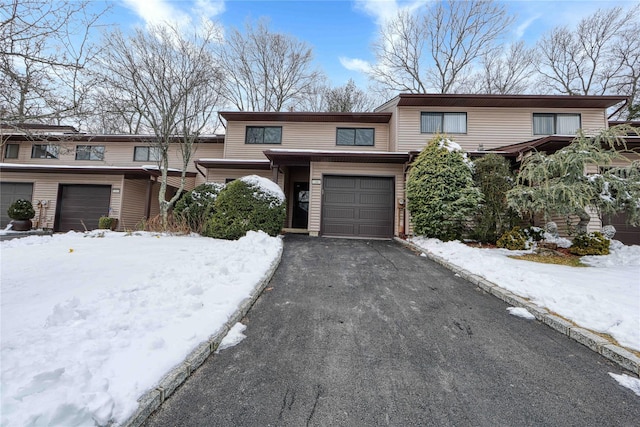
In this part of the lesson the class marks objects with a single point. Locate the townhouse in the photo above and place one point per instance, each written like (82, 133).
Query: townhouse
(343, 173)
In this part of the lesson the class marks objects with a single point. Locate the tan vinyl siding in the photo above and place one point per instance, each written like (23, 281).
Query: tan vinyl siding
(299, 136)
(491, 127)
(134, 202)
(115, 154)
(45, 187)
(318, 169)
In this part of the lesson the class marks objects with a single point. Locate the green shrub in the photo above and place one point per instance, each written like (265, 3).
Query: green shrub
(244, 205)
(493, 176)
(21, 209)
(441, 195)
(514, 240)
(533, 234)
(590, 244)
(107, 223)
(197, 206)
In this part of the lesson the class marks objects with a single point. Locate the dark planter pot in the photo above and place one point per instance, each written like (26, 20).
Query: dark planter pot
(21, 224)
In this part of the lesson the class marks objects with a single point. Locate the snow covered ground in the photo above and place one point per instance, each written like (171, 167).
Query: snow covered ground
(604, 297)
(89, 322)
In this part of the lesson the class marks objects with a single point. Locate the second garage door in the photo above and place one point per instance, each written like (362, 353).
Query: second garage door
(81, 206)
(357, 206)
(9, 193)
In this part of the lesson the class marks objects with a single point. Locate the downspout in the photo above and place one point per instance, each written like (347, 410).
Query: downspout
(204, 175)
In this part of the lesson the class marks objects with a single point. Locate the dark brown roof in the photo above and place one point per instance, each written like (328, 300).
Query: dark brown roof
(304, 157)
(38, 127)
(233, 164)
(306, 117)
(634, 123)
(549, 144)
(205, 139)
(508, 101)
(128, 172)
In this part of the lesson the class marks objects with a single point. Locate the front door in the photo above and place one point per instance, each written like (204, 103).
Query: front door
(300, 218)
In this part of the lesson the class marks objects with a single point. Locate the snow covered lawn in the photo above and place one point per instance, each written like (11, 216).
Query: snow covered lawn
(604, 297)
(90, 323)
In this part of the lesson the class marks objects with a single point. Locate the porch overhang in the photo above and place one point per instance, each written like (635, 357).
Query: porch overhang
(283, 157)
(260, 164)
(129, 173)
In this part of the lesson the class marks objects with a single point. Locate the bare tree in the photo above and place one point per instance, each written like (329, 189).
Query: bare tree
(628, 80)
(507, 73)
(348, 98)
(266, 71)
(590, 59)
(167, 83)
(44, 49)
(436, 50)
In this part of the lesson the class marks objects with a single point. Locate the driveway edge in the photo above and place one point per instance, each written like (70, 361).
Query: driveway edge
(623, 357)
(153, 399)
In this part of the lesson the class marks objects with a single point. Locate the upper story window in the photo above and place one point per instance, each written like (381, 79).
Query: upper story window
(146, 154)
(11, 151)
(555, 123)
(90, 152)
(355, 136)
(45, 151)
(263, 135)
(443, 122)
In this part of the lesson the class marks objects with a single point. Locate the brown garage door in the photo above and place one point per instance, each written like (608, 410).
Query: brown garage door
(81, 206)
(9, 193)
(624, 232)
(357, 206)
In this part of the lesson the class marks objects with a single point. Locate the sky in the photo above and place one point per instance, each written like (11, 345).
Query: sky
(341, 32)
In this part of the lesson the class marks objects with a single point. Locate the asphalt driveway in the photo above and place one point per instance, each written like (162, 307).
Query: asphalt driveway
(364, 333)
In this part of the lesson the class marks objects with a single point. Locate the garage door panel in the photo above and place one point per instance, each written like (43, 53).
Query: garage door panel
(341, 213)
(81, 206)
(341, 198)
(377, 199)
(9, 193)
(379, 215)
(335, 182)
(358, 206)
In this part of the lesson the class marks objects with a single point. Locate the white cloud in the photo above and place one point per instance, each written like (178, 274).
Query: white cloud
(355, 64)
(385, 10)
(155, 12)
(520, 29)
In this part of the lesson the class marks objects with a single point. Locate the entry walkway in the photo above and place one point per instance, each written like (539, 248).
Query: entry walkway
(365, 333)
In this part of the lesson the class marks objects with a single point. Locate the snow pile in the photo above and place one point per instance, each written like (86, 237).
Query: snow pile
(520, 312)
(625, 380)
(266, 185)
(604, 298)
(233, 337)
(90, 322)
(620, 254)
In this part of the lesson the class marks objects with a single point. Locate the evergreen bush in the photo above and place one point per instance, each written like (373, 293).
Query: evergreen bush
(21, 209)
(195, 207)
(107, 223)
(243, 206)
(441, 196)
(514, 240)
(493, 176)
(590, 244)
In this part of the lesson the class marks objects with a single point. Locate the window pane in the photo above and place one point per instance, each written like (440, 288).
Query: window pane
(272, 135)
(455, 122)
(83, 152)
(431, 122)
(543, 124)
(42, 151)
(255, 135)
(141, 154)
(567, 124)
(154, 154)
(97, 152)
(364, 137)
(346, 137)
(11, 152)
